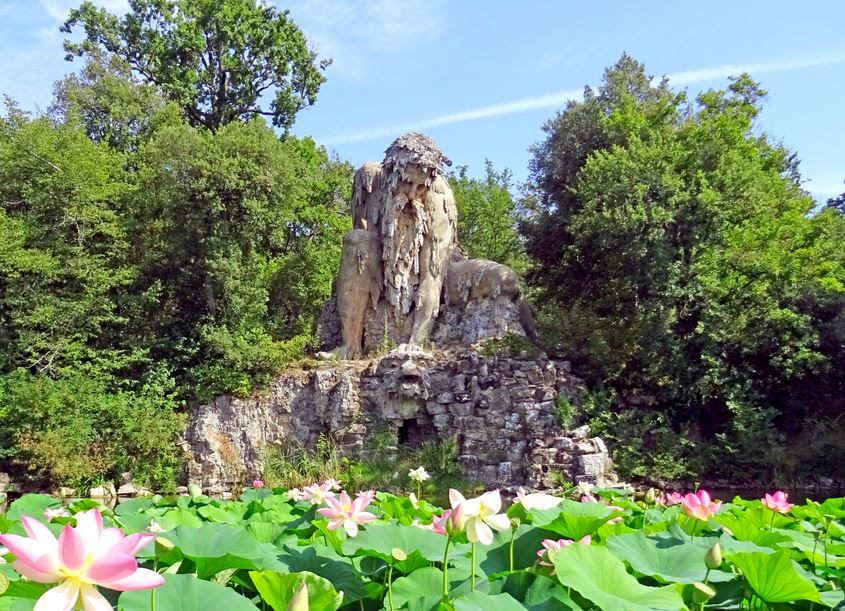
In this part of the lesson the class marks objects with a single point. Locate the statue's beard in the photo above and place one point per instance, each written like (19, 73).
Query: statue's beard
(404, 228)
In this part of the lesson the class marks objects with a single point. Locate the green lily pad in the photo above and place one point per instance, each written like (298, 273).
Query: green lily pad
(423, 588)
(217, 547)
(32, 505)
(571, 519)
(381, 539)
(681, 563)
(596, 574)
(185, 593)
(495, 558)
(277, 590)
(479, 601)
(536, 592)
(773, 577)
(325, 562)
(13, 603)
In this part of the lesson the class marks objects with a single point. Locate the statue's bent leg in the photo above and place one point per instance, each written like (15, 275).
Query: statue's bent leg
(359, 264)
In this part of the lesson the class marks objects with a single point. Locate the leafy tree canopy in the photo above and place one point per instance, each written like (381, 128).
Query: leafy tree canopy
(218, 59)
(487, 217)
(107, 102)
(680, 264)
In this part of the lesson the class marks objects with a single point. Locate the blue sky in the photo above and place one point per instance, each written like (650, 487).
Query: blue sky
(482, 77)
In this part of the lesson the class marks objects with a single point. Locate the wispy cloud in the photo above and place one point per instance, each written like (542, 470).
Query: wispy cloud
(690, 77)
(484, 112)
(348, 31)
(558, 99)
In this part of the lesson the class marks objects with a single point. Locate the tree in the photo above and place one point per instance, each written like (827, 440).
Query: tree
(678, 262)
(80, 400)
(107, 102)
(64, 268)
(238, 236)
(837, 203)
(487, 217)
(218, 59)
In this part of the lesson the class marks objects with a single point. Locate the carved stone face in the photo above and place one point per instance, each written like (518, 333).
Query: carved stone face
(418, 175)
(409, 381)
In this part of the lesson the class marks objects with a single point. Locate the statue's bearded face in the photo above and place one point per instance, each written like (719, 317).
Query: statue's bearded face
(419, 175)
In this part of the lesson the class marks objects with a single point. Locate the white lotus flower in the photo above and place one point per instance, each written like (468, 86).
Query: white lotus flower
(537, 500)
(419, 474)
(480, 515)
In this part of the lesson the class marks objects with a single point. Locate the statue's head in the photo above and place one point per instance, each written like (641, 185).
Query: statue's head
(415, 158)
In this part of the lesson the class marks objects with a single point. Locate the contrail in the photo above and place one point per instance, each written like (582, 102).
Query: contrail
(558, 99)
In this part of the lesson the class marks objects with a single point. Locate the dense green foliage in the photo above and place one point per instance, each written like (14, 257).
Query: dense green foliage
(622, 554)
(488, 217)
(216, 60)
(685, 271)
(145, 261)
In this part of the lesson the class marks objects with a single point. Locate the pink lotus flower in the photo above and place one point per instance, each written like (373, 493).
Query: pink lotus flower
(83, 557)
(258, 483)
(550, 546)
(347, 513)
(777, 502)
(440, 522)
(332, 483)
(699, 505)
(51, 514)
(318, 493)
(674, 498)
(368, 495)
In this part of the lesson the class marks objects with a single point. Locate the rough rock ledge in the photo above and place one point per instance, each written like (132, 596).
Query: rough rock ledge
(500, 411)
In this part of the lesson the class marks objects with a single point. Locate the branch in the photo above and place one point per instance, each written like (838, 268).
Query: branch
(47, 161)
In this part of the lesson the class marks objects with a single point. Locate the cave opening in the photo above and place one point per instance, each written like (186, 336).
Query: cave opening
(410, 433)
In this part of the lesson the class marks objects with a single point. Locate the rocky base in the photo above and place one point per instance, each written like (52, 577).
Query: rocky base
(499, 410)
(456, 326)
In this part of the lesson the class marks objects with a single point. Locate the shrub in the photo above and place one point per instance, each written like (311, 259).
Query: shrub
(75, 431)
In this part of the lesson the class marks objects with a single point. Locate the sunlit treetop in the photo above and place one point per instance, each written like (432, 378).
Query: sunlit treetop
(220, 60)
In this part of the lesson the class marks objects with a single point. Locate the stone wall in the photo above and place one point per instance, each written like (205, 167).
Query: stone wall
(499, 410)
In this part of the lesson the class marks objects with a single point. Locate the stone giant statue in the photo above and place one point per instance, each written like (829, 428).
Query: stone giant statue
(401, 259)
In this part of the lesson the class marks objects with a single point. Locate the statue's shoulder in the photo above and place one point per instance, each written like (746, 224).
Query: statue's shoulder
(367, 174)
(370, 167)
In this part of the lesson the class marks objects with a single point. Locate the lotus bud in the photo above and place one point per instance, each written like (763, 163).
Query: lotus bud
(299, 602)
(650, 495)
(713, 558)
(515, 522)
(701, 593)
(455, 523)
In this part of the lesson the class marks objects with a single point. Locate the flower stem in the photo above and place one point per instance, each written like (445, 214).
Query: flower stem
(446, 567)
(772, 523)
(510, 552)
(390, 587)
(694, 528)
(472, 574)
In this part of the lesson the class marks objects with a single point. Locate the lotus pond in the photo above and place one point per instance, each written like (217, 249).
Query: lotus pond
(293, 550)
